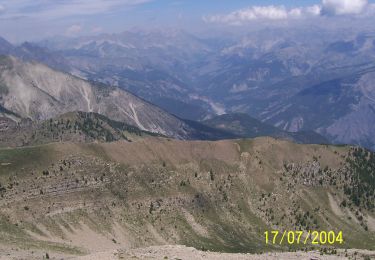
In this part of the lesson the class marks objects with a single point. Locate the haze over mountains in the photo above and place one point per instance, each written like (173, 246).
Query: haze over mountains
(286, 78)
(31, 91)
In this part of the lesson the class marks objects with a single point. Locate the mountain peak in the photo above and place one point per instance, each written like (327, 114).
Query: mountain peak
(5, 46)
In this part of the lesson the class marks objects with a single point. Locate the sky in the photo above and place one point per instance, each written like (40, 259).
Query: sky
(30, 20)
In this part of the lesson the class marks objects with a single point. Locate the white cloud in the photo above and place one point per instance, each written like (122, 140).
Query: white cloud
(263, 12)
(270, 12)
(342, 7)
(314, 10)
(2, 8)
(73, 30)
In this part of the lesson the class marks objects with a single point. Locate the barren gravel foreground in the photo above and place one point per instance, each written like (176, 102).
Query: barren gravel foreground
(103, 200)
(185, 253)
(182, 252)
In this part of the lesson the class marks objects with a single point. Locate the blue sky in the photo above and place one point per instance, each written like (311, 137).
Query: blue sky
(36, 19)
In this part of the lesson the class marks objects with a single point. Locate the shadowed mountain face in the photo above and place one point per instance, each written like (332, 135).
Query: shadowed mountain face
(243, 125)
(341, 109)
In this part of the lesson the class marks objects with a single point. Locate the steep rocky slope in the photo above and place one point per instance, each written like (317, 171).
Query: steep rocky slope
(34, 91)
(68, 199)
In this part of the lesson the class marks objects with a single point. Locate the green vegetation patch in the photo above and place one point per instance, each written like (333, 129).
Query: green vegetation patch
(362, 189)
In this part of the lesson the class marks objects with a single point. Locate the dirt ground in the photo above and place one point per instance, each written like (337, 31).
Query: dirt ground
(182, 252)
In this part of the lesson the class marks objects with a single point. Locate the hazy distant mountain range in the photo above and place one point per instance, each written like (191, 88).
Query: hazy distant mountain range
(32, 94)
(321, 81)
